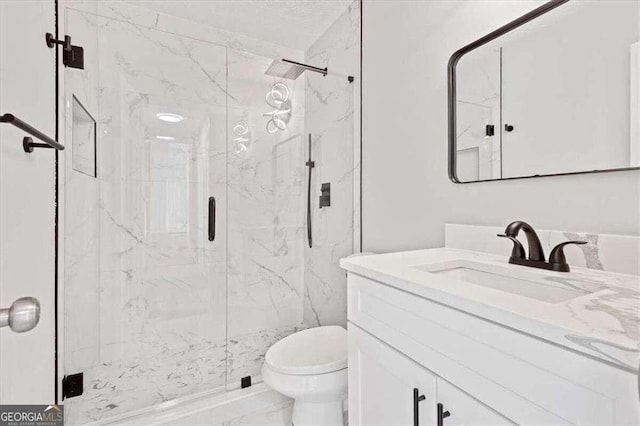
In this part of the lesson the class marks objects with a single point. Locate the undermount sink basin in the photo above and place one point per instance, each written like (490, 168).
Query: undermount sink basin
(511, 280)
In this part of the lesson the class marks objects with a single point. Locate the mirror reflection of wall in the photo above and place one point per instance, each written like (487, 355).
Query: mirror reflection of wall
(559, 94)
(478, 106)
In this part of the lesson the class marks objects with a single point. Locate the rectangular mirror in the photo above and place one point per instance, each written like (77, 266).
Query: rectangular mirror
(554, 92)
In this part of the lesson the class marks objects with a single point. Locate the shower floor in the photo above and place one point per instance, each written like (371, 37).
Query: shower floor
(114, 390)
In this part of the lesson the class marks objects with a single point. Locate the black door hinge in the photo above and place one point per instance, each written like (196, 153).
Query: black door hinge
(72, 56)
(72, 385)
(490, 130)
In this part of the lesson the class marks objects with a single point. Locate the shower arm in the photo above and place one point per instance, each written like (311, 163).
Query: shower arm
(296, 69)
(323, 71)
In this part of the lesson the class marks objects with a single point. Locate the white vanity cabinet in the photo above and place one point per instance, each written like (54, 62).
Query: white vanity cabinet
(480, 371)
(388, 384)
(462, 409)
(391, 388)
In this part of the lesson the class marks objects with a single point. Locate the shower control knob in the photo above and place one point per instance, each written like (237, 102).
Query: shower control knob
(23, 315)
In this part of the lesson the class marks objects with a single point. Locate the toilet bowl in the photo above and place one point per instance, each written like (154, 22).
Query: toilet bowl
(310, 366)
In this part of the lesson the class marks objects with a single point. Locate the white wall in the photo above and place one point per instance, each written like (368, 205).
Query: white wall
(407, 195)
(566, 89)
(27, 203)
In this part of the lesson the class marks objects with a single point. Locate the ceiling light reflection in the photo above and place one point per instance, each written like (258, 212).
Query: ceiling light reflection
(169, 117)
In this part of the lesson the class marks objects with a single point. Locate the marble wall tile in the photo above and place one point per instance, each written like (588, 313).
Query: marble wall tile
(154, 311)
(128, 11)
(611, 253)
(332, 118)
(266, 217)
(146, 318)
(81, 229)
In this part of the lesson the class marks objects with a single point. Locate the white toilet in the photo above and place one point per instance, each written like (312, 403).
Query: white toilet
(310, 366)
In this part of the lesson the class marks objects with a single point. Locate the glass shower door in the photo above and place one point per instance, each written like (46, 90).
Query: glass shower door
(277, 284)
(144, 242)
(266, 189)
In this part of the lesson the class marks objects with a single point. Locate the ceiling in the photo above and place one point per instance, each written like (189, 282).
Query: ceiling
(295, 24)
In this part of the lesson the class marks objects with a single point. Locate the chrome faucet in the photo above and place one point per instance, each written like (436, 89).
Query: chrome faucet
(557, 260)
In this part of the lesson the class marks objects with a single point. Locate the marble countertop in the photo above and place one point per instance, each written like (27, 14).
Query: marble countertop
(603, 321)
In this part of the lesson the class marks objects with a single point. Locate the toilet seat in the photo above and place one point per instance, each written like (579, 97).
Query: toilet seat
(317, 350)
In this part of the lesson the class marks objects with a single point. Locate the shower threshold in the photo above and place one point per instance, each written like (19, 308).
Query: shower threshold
(212, 407)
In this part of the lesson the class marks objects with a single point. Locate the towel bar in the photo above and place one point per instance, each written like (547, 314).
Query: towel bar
(27, 142)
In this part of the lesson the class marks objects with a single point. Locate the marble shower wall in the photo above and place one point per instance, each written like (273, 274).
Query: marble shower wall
(266, 216)
(153, 310)
(333, 119)
(145, 291)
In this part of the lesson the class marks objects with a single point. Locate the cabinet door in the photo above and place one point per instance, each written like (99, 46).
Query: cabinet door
(455, 407)
(382, 384)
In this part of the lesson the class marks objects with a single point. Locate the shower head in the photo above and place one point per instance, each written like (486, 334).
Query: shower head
(291, 70)
(279, 68)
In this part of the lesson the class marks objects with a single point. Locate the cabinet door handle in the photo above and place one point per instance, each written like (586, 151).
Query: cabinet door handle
(416, 408)
(212, 218)
(442, 414)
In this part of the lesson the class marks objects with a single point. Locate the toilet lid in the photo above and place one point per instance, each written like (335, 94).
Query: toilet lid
(314, 351)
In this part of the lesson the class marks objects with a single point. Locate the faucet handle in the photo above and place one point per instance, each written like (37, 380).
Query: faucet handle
(557, 254)
(518, 249)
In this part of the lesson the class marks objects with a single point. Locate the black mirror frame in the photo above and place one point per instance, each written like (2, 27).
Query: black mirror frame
(451, 76)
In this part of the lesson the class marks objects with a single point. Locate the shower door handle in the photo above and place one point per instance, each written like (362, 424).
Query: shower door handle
(212, 218)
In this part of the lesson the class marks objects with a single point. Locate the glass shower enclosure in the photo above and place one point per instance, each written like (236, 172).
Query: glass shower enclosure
(185, 252)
